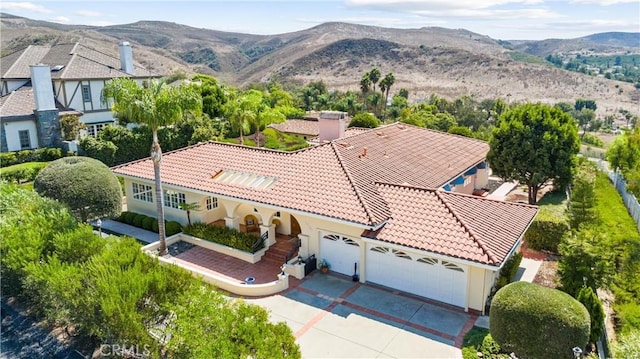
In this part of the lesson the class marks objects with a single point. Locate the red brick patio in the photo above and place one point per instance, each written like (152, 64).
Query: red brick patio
(264, 271)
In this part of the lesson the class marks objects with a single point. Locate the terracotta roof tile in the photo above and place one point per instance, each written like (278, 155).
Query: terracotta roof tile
(300, 127)
(452, 224)
(333, 179)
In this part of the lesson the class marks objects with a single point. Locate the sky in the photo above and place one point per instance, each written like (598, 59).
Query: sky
(499, 19)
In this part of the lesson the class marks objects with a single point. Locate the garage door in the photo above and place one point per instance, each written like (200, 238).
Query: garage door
(427, 277)
(340, 252)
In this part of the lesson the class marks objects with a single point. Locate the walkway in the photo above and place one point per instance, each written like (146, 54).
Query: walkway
(502, 191)
(119, 228)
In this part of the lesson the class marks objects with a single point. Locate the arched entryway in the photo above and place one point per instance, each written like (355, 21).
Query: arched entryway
(251, 224)
(295, 226)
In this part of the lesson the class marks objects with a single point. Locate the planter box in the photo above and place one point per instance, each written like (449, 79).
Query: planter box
(245, 256)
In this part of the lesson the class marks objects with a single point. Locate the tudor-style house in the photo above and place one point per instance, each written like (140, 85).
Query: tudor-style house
(396, 200)
(39, 83)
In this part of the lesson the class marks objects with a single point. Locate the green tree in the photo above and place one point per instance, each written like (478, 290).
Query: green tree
(154, 105)
(590, 300)
(374, 76)
(365, 120)
(581, 208)
(585, 117)
(584, 103)
(385, 86)
(188, 207)
(365, 87)
(588, 259)
(534, 144)
(537, 322)
(71, 126)
(87, 186)
(624, 156)
(403, 92)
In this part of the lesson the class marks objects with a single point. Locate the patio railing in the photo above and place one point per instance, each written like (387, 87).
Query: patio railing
(293, 250)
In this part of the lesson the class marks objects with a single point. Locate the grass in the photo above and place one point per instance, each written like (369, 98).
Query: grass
(24, 166)
(615, 218)
(554, 202)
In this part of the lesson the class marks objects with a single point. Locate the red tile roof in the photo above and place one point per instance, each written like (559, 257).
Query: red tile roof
(453, 224)
(299, 127)
(334, 179)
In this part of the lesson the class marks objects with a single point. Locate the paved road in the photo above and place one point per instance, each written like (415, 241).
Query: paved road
(22, 338)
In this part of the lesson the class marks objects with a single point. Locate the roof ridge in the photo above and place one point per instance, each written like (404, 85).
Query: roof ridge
(435, 131)
(490, 199)
(24, 51)
(353, 185)
(484, 248)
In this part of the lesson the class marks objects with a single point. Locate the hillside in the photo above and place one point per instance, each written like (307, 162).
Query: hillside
(430, 60)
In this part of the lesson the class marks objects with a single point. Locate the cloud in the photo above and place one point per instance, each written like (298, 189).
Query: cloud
(436, 4)
(602, 2)
(60, 19)
(403, 22)
(24, 6)
(87, 13)
(482, 14)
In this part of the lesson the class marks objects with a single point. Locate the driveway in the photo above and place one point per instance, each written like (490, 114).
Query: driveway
(333, 317)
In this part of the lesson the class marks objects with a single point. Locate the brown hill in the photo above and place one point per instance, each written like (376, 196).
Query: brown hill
(447, 62)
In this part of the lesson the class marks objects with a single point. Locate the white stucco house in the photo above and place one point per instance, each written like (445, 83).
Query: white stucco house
(397, 200)
(39, 83)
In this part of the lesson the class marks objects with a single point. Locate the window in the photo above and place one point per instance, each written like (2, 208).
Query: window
(173, 199)
(277, 215)
(86, 93)
(467, 180)
(142, 192)
(25, 139)
(212, 203)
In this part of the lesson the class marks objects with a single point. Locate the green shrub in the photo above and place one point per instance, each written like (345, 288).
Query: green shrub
(8, 159)
(137, 220)
(591, 139)
(172, 227)
(537, 322)
(628, 345)
(48, 154)
(366, 120)
(222, 235)
(590, 300)
(627, 316)
(546, 231)
(509, 270)
(23, 172)
(147, 223)
(154, 225)
(478, 340)
(37, 155)
(128, 219)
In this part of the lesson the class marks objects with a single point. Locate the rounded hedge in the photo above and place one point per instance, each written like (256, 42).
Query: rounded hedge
(537, 322)
(85, 185)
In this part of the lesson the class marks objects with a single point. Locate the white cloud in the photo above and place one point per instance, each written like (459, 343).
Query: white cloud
(402, 22)
(602, 2)
(24, 6)
(436, 4)
(87, 13)
(484, 14)
(60, 19)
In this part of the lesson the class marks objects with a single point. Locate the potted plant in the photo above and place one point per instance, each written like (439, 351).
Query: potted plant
(324, 266)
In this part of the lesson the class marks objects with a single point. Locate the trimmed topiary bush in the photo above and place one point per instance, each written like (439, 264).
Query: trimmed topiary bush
(137, 220)
(172, 227)
(147, 223)
(85, 185)
(546, 231)
(537, 322)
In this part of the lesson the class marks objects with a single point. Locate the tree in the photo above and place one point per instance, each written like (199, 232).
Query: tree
(585, 117)
(534, 144)
(590, 300)
(537, 322)
(584, 103)
(366, 120)
(365, 83)
(188, 207)
(86, 186)
(154, 105)
(581, 207)
(374, 76)
(624, 156)
(403, 92)
(385, 86)
(588, 259)
(71, 126)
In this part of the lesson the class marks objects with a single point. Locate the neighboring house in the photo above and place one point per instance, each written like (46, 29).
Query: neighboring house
(58, 78)
(308, 128)
(396, 200)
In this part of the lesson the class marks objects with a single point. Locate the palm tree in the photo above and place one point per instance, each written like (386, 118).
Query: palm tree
(374, 76)
(188, 207)
(365, 82)
(155, 105)
(385, 86)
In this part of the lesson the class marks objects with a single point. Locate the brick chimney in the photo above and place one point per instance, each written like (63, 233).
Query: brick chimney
(126, 57)
(331, 125)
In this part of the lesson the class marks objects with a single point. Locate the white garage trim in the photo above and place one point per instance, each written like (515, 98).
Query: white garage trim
(340, 252)
(415, 273)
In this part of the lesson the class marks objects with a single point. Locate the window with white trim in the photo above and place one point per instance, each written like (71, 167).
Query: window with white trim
(93, 130)
(212, 203)
(173, 199)
(25, 139)
(467, 180)
(142, 192)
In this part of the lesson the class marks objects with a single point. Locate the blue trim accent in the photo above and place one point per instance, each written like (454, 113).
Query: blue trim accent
(447, 188)
(482, 165)
(457, 181)
(471, 172)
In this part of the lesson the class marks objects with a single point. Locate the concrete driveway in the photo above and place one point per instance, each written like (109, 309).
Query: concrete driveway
(333, 317)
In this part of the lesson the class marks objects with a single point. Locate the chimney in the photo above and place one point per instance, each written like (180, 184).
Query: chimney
(126, 57)
(42, 87)
(331, 125)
